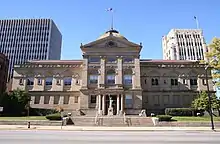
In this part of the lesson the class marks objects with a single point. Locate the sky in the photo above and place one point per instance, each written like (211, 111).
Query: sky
(146, 21)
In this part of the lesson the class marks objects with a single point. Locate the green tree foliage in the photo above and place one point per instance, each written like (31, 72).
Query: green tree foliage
(15, 103)
(202, 102)
(214, 52)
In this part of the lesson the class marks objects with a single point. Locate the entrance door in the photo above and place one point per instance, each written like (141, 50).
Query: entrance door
(114, 104)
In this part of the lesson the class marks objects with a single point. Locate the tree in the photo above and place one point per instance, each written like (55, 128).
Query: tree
(15, 102)
(214, 52)
(202, 102)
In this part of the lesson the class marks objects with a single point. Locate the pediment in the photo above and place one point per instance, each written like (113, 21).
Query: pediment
(111, 42)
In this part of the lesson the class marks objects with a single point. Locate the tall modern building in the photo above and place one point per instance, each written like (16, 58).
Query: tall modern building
(29, 39)
(184, 44)
(3, 72)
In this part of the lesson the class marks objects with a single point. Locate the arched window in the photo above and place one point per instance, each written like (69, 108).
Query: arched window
(127, 80)
(93, 77)
(110, 77)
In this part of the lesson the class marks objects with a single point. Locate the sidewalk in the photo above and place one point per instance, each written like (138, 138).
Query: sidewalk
(85, 128)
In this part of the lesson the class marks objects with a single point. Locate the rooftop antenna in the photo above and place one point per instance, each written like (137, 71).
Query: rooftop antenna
(112, 21)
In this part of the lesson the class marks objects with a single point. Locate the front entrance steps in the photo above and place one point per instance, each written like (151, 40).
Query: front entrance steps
(110, 121)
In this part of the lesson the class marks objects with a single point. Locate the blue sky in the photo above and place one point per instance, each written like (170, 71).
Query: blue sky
(146, 21)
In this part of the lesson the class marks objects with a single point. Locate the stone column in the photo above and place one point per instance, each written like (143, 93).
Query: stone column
(97, 102)
(85, 73)
(61, 100)
(100, 104)
(118, 104)
(41, 100)
(102, 71)
(103, 104)
(119, 71)
(122, 104)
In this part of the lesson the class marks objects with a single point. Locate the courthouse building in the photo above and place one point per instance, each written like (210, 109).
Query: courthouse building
(111, 75)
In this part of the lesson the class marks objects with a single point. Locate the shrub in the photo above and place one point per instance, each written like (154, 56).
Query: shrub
(164, 117)
(41, 112)
(180, 111)
(56, 116)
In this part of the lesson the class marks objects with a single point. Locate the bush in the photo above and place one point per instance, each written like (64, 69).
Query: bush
(56, 116)
(181, 111)
(164, 117)
(41, 112)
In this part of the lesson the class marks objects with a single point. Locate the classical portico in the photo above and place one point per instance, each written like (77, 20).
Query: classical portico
(108, 102)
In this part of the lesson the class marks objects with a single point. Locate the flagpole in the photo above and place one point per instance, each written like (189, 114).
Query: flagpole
(112, 21)
(197, 22)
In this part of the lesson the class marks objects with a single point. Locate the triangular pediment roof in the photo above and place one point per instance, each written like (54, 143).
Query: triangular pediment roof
(118, 40)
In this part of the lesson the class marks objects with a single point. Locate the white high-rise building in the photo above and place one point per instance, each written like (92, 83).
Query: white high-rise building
(29, 39)
(184, 44)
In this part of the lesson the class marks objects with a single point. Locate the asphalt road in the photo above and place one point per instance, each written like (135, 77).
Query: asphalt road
(107, 137)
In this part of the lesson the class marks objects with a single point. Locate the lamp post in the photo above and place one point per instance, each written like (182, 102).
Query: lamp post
(209, 97)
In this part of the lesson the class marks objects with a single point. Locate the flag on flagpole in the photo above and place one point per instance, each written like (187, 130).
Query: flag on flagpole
(109, 9)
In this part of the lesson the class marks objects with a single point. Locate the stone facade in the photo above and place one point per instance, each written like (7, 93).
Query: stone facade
(111, 79)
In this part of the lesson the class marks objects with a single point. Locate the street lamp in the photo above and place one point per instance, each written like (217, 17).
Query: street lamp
(208, 93)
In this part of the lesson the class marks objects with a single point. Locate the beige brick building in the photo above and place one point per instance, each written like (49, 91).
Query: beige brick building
(111, 79)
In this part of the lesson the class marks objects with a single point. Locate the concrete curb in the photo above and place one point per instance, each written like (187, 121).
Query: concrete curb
(109, 128)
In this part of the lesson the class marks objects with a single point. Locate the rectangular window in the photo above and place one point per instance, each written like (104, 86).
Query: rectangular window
(49, 81)
(36, 99)
(21, 81)
(39, 81)
(166, 99)
(94, 59)
(56, 99)
(128, 60)
(193, 81)
(76, 99)
(58, 82)
(67, 81)
(204, 81)
(154, 81)
(93, 99)
(111, 60)
(46, 99)
(66, 99)
(93, 79)
(111, 79)
(127, 79)
(174, 82)
(30, 81)
(128, 101)
(156, 99)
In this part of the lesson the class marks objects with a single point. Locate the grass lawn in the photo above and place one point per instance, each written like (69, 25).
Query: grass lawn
(24, 118)
(199, 119)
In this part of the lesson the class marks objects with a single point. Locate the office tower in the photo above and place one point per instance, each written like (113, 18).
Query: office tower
(184, 44)
(3, 72)
(29, 39)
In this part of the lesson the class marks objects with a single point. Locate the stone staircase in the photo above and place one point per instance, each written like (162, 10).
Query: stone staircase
(116, 121)
(83, 121)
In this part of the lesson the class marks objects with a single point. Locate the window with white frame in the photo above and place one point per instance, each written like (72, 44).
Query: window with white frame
(67, 81)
